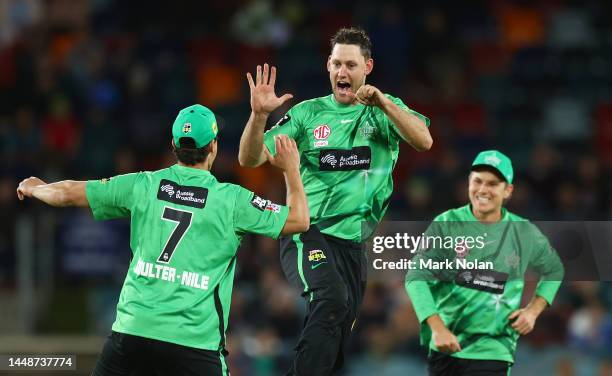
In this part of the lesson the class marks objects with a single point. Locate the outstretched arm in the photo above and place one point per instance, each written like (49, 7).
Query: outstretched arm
(411, 128)
(62, 193)
(263, 102)
(287, 159)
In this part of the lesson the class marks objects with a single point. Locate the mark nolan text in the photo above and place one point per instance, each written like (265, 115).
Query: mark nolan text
(448, 264)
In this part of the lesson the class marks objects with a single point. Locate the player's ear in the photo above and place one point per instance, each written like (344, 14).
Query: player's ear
(508, 191)
(172, 144)
(329, 63)
(369, 66)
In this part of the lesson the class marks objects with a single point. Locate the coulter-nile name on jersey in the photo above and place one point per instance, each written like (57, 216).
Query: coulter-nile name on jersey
(348, 155)
(185, 230)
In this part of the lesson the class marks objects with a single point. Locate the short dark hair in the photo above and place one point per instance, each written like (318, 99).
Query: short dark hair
(353, 35)
(188, 154)
(494, 171)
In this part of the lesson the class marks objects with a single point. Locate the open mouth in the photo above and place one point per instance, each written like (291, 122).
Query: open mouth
(343, 87)
(483, 200)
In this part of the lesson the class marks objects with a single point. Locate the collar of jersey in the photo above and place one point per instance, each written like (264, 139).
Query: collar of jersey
(191, 170)
(504, 214)
(344, 106)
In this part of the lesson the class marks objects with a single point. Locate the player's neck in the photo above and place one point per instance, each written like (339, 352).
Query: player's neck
(206, 166)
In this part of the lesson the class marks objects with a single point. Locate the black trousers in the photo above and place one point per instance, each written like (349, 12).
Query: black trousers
(331, 273)
(125, 354)
(440, 364)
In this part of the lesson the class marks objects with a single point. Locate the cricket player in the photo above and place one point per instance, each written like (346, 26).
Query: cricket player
(470, 315)
(185, 229)
(349, 144)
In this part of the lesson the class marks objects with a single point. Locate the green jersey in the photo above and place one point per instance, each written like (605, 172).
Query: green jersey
(475, 302)
(348, 153)
(185, 230)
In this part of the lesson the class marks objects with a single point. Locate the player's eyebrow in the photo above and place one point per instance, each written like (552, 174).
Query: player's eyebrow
(350, 61)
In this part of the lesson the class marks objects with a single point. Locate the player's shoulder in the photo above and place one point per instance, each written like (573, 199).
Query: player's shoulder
(393, 98)
(230, 189)
(457, 214)
(522, 224)
(512, 217)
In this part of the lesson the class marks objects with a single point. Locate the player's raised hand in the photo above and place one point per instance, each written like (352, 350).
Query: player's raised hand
(25, 187)
(263, 97)
(369, 95)
(287, 157)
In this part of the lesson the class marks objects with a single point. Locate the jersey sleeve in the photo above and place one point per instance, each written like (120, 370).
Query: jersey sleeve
(288, 125)
(419, 279)
(547, 263)
(111, 198)
(403, 106)
(257, 215)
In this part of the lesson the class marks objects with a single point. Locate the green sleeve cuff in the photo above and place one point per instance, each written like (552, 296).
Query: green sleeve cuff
(547, 290)
(284, 214)
(90, 191)
(422, 300)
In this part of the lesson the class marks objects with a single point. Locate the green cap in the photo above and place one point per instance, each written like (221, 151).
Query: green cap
(197, 122)
(498, 161)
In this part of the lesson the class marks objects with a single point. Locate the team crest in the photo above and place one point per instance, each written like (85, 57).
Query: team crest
(367, 131)
(104, 181)
(316, 255)
(513, 260)
(493, 159)
(187, 128)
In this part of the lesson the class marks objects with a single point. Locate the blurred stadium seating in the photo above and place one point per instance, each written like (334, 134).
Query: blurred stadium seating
(89, 88)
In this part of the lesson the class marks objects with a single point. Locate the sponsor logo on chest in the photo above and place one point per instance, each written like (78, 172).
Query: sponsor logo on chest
(321, 133)
(357, 158)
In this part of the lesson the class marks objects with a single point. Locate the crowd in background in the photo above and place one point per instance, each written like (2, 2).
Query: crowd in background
(89, 89)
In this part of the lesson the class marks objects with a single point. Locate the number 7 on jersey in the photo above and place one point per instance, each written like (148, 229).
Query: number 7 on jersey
(183, 222)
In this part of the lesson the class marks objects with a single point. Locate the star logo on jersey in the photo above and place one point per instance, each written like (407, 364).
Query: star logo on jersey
(105, 180)
(367, 131)
(186, 127)
(513, 260)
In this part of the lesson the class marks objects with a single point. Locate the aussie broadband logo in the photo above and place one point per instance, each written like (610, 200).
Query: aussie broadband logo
(358, 158)
(182, 194)
(168, 189)
(321, 133)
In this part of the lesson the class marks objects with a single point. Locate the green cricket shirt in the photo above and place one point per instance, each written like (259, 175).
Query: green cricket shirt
(475, 304)
(185, 230)
(348, 153)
